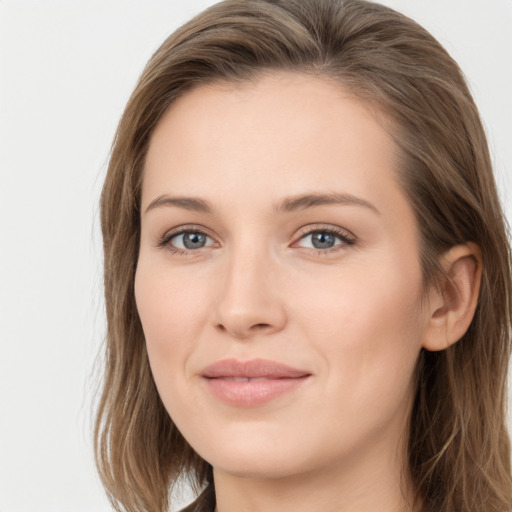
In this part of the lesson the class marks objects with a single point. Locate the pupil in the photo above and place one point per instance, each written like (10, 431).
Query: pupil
(323, 240)
(193, 240)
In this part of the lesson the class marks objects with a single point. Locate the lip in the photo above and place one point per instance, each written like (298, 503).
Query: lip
(251, 383)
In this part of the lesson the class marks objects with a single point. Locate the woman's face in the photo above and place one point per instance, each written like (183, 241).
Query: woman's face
(278, 282)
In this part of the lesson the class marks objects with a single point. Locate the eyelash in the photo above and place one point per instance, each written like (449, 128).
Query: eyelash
(346, 239)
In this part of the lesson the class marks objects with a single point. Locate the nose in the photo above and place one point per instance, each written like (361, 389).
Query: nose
(250, 302)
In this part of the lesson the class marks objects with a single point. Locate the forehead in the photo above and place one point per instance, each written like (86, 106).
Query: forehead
(281, 133)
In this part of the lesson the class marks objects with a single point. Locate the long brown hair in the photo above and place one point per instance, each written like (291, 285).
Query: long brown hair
(459, 454)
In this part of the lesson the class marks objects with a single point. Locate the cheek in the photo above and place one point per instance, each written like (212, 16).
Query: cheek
(367, 325)
(170, 312)
(383, 295)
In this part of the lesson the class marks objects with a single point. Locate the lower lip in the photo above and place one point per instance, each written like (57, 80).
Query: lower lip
(252, 393)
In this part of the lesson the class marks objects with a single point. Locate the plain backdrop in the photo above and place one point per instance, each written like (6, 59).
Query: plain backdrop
(66, 71)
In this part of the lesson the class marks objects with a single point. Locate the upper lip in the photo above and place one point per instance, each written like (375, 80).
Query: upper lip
(253, 369)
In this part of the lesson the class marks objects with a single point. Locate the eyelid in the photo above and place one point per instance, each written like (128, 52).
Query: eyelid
(328, 228)
(347, 238)
(164, 241)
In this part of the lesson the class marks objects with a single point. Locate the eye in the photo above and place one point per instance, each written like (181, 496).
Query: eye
(185, 241)
(325, 239)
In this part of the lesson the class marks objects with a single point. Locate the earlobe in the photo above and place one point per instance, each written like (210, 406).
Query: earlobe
(452, 305)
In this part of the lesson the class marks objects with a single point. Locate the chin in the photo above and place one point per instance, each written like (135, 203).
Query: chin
(257, 456)
(259, 467)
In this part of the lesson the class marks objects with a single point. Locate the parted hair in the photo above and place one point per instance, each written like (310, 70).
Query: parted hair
(458, 449)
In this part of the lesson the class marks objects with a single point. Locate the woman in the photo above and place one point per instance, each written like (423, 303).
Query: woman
(307, 273)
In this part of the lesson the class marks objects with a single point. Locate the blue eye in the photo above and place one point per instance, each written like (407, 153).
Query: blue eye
(190, 240)
(186, 241)
(325, 239)
(322, 240)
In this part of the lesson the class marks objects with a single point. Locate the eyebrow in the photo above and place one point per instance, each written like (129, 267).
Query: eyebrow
(287, 205)
(302, 202)
(193, 204)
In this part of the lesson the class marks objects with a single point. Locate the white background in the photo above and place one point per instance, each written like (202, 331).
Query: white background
(66, 70)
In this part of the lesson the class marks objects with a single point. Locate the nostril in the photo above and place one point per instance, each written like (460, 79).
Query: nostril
(241, 332)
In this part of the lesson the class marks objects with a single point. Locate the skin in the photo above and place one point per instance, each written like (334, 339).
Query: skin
(354, 315)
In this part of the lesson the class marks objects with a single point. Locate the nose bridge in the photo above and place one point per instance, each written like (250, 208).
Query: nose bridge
(248, 301)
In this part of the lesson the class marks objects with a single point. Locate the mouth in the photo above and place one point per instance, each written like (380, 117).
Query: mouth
(252, 369)
(251, 383)
(245, 379)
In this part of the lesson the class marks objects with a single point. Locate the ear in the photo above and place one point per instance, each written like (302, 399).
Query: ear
(452, 305)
